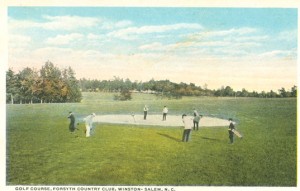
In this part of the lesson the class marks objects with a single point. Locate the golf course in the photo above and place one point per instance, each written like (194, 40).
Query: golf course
(40, 150)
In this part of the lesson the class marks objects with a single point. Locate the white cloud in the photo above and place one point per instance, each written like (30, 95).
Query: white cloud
(64, 39)
(290, 36)
(92, 36)
(18, 40)
(69, 55)
(55, 23)
(69, 22)
(252, 38)
(14, 25)
(128, 33)
(234, 34)
(109, 25)
(152, 46)
(122, 24)
(291, 54)
(213, 48)
(233, 31)
(51, 52)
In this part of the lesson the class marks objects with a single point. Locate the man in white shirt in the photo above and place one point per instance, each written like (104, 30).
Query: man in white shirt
(165, 112)
(89, 124)
(188, 124)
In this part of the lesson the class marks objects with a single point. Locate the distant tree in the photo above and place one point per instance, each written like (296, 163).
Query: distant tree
(124, 95)
(294, 91)
(228, 91)
(220, 92)
(254, 94)
(127, 84)
(217, 93)
(244, 93)
(283, 92)
(168, 89)
(272, 94)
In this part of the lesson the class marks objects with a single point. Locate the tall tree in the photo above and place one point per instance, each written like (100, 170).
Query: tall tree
(12, 89)
(51, 77)
(294, 91)
(283, 92)
(28, 85)
(70, 91)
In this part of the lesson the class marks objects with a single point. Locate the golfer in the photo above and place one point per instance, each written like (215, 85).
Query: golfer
(165, 112)
(145, 112)
(196, 121)
(89, 124)
(231, 128)
(187, 124)
(72, 122)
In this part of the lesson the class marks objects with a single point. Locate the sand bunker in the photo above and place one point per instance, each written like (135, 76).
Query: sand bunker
(156, 120)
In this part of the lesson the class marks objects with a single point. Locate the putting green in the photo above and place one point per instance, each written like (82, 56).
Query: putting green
(156, 120)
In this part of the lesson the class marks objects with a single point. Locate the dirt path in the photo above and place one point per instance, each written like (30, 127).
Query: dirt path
(156, 120)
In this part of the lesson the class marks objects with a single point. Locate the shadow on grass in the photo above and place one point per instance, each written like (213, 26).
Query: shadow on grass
(168, 136)
(211, 139)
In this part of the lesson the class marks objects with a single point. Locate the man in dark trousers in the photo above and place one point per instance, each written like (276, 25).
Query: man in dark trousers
(230, 130)
(187, 125)
(145, 112)
(196, 121)
(72, 122)
(165, 112)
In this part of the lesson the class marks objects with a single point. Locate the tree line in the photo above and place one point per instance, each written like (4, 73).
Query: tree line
(48, 85)
(166, 88)
(52, 85)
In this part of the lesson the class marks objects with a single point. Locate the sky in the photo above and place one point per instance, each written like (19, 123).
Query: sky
(251, 48)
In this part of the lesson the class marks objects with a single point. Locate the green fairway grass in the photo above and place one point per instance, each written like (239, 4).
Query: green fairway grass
(41, 150)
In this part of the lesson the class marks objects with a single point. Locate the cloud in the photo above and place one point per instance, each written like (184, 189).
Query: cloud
(152, 46)
(204, 48)
(130, 32)
(14, 24)
(233, 34)
(291, 54)
(64, 39)
(18, 40)
(70, 55)
(92, 36)
(289, 36)
(18, 45)
(62, 23)
(110, 25)
(233, 31)
(122, 24)
(252, 38)
(68, 22)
